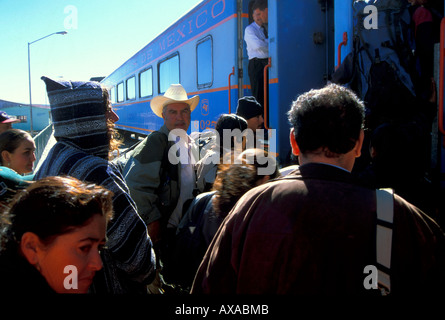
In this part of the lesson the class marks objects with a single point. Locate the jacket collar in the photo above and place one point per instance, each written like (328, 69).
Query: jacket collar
(322, 171)
(193, 144)
(164, 130)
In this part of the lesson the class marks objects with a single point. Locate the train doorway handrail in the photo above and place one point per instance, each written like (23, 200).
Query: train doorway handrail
(343, 43)
(230, 89)
(266, 98)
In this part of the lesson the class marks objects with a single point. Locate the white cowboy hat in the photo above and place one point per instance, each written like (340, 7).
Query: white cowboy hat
(174, 94)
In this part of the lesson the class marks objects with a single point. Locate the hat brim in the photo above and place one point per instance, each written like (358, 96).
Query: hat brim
(10, 121)
(157, 103)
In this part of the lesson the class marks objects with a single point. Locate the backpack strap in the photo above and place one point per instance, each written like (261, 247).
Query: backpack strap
(385, 217)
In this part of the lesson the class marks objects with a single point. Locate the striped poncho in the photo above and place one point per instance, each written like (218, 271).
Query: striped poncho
(81, 151)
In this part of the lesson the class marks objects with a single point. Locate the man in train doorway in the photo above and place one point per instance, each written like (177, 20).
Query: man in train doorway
(160, 187)
(256, 38)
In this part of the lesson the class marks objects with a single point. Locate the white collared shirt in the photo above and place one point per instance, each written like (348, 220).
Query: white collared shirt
(187, 180)
(257, 44)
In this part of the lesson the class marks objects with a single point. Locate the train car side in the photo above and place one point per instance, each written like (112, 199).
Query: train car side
(197, 51)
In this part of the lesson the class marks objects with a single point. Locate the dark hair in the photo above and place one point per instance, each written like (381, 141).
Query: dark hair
(11, 139)
(259, 4)
(330, 118)
(52, 206)
(229, 121)
(233, 180)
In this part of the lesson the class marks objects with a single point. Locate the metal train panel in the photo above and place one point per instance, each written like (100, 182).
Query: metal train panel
(298, 51)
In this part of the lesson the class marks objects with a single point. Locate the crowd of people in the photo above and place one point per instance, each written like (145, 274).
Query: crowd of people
(248, 229)
(177, 217)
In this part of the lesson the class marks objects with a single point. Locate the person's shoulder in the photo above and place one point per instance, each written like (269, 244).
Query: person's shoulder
(69, 154)
(155, 137)
(421, 15)
(269, 189)
(205, 196)
(11, 177)
(406, 211)
(288, 169)
(92, 161)
(250, 28)
(151, 148)
(400, 202)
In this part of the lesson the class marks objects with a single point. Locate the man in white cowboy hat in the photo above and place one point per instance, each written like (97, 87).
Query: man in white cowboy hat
(161, 187)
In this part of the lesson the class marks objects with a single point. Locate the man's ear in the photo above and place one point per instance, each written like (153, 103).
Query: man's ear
(293, 143)
(359, 144)
(29, 246)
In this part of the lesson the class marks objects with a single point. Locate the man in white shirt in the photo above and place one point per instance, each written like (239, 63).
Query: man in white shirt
(257, 43)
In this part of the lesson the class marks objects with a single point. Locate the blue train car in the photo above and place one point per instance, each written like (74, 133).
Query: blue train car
(198, 51)
(205, 52)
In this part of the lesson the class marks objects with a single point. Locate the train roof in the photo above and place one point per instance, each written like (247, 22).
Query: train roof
(159, 36)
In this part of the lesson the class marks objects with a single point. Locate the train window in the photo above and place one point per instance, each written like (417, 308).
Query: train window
(113, 95)
(204, 62)
(120, 92)
(146, 83)
(23, 119)
(131, 88)
(168, 72)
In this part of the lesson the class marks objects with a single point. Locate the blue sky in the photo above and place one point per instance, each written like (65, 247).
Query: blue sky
(102, 34)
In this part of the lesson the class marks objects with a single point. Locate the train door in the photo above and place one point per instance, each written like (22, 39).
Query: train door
(300, 42)
(301, 39)
(436, 172)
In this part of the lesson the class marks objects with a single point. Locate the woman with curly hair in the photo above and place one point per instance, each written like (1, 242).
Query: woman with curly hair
(200, 223)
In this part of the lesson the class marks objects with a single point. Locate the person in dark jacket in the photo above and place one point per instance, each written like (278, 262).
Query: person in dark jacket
(315, 231)
(226, 129)
(51, 235)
